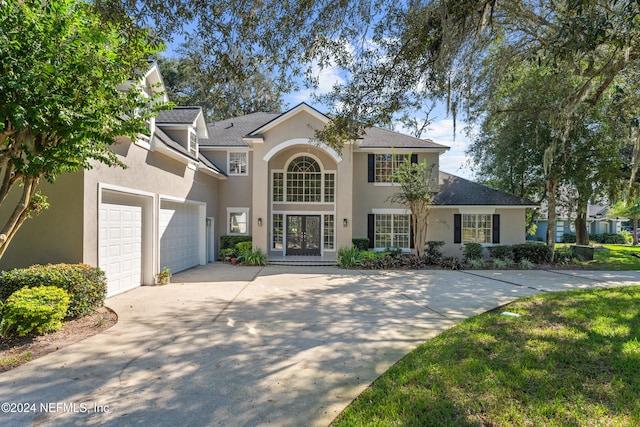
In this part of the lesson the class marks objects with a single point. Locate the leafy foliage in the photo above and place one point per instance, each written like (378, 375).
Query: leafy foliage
(472, 251)
(501, 251)
(86, 285)
(348, 257)
(230, 242)
(256, 257)
(243, 248)
(361, 243)
(41, 308)
(537, 253)
(62, 73)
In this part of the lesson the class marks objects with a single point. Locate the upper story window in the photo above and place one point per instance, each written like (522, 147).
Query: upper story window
(385, 166)
(304, 180)
(193, 143)
(238, 163)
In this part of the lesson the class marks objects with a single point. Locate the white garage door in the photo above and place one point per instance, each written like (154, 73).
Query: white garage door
(179, 236)
(121, 246)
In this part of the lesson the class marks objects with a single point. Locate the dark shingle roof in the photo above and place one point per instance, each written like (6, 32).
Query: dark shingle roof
(376, 137)
(456, 191)
(177, 147)
(230, 132)
(178, 115)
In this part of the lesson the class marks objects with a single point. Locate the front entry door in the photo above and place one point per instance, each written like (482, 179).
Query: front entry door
(303, 234)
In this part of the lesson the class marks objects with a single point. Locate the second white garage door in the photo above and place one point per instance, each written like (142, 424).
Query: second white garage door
(179, 235)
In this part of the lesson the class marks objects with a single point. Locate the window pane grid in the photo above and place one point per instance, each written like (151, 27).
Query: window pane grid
(278, 187)
(329, 232)
(476, 228)
(277, 231)
(329, 187)
(386, 165)
(237, 163)
(304, 181)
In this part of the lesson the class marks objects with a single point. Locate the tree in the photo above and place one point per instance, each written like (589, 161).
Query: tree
(60, 107)
(631, 210)
(416, 194)
(189, 81)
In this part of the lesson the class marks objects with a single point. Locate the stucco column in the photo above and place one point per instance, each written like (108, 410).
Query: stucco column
(260, 199)
(344, 205)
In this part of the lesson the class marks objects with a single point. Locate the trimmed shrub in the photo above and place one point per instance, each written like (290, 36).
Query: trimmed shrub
(501, 251)
(230, 242)
(472, 251)
(614, 239)
(451, 263)
(86, 285)
(537, 253)
(244, 248)
(41, 308)
(569, 238)
(361, 243)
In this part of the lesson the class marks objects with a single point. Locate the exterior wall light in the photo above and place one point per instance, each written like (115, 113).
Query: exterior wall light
(259, 222)
(345, 222)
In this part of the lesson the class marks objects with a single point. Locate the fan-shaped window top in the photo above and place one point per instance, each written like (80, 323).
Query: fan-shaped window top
(304, 164)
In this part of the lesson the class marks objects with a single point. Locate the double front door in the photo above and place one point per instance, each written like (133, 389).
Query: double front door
(303, 235)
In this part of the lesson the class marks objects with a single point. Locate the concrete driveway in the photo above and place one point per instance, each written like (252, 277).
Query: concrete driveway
(246, 346)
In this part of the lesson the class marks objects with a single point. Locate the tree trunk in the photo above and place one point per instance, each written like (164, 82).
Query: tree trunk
(551, 215)
(582, 234)
(21, 212)
(635, 231)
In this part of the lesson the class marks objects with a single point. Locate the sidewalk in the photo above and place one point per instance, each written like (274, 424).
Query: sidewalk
(246, 346)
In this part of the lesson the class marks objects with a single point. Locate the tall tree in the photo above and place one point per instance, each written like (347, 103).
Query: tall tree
(60, 107)
(415, 192)
(190, 82)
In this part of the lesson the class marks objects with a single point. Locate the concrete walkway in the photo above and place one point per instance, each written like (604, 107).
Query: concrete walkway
(245, 346)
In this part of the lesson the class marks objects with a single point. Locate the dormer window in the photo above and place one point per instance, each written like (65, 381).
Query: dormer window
(193, 143)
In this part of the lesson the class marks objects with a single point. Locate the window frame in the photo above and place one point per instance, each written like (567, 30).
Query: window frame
(246, 165)
(393, 222)
(488, 228)
(230, 212)
(394, 160)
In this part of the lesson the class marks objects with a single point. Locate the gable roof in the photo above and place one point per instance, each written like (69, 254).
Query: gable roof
(170, 144)
(456, 191)
(179, 116)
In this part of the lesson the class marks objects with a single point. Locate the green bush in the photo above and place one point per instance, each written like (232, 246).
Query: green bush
(537, 253)
(41, 308)
(256, 257)
(472, 251)
(244, 248)
(501, 251)
(569, 238)
(361, 243)
(86, 285)
(433, 252)
(230, 242)
(348, 257)
(451, 263)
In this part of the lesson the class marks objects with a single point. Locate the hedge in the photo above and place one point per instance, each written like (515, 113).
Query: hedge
(537, 253)
(501, 252)
(362, 243)
(41, 308)
(86, 285)
(230, 242)
(602, 238)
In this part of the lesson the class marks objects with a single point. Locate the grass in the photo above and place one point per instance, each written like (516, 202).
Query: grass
(12, 361)
(571, 359)
(618, 257)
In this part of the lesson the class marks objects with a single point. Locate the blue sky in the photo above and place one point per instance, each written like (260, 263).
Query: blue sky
(440, 131)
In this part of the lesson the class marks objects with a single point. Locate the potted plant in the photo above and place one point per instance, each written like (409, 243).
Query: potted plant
(226, 254)
(163, 277)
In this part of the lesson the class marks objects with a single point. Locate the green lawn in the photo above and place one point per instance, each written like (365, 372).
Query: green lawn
(571, 359)
(617, 258)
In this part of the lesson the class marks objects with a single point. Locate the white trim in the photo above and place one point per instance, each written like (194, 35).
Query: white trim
(478, 210)
(242, 151)
(475, 208)
(286, 213)
(231, 210)
(301, 141)
(389, 211)
(292, 112)
(202, 228)
(413, 150)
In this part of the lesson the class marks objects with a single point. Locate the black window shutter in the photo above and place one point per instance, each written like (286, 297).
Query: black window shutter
(411, 239)
(496, 229)
(414, 158)
(371, 176)
(371, 229)
(457, 228)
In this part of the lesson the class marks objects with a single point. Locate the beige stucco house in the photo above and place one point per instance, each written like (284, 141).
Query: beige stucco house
(261, 175)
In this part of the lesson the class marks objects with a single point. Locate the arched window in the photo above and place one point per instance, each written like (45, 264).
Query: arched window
(304, 180)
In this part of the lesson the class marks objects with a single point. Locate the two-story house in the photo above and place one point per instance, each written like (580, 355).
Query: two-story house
(262, 175)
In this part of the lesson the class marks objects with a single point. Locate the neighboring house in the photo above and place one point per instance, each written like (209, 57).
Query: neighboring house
(597, 222)
(261, 175)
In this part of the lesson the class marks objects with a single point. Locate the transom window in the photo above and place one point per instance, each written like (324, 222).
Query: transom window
(392, 231)
(476, 228)
(386, 166)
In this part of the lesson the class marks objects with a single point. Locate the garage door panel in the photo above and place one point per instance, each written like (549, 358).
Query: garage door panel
(120, 246)
(179, 236)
